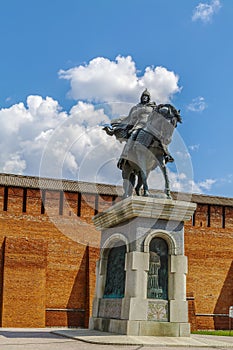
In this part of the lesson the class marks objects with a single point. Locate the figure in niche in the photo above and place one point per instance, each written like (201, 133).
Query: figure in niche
(154, 291)
(158, 270)
(115, 279)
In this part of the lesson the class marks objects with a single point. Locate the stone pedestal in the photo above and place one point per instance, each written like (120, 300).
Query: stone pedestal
(141, 274)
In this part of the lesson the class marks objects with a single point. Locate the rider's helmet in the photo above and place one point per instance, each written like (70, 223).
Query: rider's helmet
(145, 93)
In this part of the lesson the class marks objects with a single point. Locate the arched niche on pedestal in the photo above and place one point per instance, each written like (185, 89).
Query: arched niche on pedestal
(112, 260)
(160, 245)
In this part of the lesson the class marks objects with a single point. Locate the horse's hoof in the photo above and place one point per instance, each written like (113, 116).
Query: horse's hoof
(146, 194)
(137, 191)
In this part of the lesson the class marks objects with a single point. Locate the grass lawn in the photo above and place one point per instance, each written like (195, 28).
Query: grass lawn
(220, 332)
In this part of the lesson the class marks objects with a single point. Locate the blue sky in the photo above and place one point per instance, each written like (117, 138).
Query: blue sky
(69, 66)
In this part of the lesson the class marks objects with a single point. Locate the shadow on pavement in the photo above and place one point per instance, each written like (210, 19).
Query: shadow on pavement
(28, 334)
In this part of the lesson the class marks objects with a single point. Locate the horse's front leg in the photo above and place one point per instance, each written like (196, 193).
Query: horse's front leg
(142, 154)
(139, 184)
(166, 179)
(142, 179)
(128, 180)
(142, 174)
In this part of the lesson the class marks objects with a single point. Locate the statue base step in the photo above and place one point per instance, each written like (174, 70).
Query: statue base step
(140, 328)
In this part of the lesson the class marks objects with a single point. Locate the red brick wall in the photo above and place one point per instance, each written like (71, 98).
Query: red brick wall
(55, 282)
(192, 311)
(47, 262)
(210, 261)
(24, 281)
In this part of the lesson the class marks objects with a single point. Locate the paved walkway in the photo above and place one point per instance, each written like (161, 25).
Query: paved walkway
(83, 339)
(195, 340)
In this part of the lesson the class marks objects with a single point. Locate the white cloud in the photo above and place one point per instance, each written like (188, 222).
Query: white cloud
(79, 151)
(182, 155)
(207, 184)
(180, 182)
(205, 11)
(194, 147)
(39, 138)
(198, 104)
(22, 127)
(9, 121)
(14, 164)
(102, 80)
(87, 115)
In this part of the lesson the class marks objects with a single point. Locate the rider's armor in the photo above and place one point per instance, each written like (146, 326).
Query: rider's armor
(139, 115)
(144, 138)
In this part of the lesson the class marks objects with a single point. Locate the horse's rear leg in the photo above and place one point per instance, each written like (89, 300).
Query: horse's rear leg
(143, 179)
(139, 184)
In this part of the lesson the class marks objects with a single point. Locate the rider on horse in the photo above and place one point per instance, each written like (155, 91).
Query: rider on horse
(137, 119)
(147, 131)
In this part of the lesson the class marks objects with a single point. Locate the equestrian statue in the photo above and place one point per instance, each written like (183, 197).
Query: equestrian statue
(147, 131)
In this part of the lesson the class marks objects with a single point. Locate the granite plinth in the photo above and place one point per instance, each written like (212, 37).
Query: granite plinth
(146, 207)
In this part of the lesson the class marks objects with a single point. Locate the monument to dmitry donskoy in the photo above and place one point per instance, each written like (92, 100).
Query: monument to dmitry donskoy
(141, 273)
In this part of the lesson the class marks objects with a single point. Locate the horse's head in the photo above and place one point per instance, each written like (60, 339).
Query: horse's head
(170, 113)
